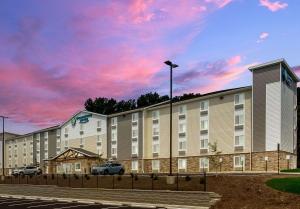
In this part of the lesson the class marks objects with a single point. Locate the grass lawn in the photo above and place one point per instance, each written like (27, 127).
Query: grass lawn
(297, 170)
(291, 185)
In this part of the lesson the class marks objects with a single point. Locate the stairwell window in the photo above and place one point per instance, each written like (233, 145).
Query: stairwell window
(155, 145)
(135, 117)
(134, 147)
(155, 115)
(182, 144)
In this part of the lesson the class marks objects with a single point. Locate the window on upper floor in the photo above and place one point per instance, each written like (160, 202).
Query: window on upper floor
(204, 105)
(204, 123)
(182, 110)
(239, 117)
(239, 138)
(204, 141)
(114, 121)
(135, 117)
(155, 115)
(239, 99)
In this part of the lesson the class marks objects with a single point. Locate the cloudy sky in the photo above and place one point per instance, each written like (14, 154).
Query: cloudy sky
(54, 54)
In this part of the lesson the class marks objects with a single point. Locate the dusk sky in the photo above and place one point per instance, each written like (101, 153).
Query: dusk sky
(55, 54)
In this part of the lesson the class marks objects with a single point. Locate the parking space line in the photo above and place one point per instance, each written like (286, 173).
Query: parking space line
(25, 203)
(15, 201)
(50, 204)
(73, 206)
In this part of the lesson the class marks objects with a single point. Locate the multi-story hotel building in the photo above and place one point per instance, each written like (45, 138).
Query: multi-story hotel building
(229, 130)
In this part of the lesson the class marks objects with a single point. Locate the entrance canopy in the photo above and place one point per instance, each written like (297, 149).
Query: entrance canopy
(73, 160)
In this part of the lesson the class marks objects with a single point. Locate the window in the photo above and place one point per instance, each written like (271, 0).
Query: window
(46, 145)
(134, 131)
(204, 106)
(155, 165)
(38, 136)
(134, 147)
(81, 127)
(66, 143)
(81, 141)
(114, 121)
(46, 154)
(99, 138)
(114, 150)
(114, 134)
(134, 165)
(58, 143)
(182, 110)
(155, 145)
(135, 117)
(182, 144)
(204, 163)
(239, 117)
(155, 130)
(182, 127)
(155, 115)
(239, 99)
(98, 151)
(204, 123)
(239, 139)
(66, 130)
(182, 164)
(239, 161)
(77, 167)
(99, 123)
(204, 141)
(46, 135)
(57, 133)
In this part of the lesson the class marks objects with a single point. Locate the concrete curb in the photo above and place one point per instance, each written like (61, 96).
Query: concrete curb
(102, 202)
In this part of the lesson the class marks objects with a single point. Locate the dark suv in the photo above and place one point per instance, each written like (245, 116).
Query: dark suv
(108, 168)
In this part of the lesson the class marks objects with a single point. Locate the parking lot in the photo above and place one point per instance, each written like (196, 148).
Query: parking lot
(21, 203)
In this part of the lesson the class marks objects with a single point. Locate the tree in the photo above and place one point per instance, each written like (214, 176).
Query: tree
(214, 159)
(150, 99)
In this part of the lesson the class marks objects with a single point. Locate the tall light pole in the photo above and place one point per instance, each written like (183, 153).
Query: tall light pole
(172, 65)
(3, 144)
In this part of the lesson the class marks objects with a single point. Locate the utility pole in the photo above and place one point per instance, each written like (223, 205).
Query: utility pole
(3, 145)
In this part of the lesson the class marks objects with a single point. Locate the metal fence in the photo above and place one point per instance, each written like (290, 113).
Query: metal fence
(183, 182)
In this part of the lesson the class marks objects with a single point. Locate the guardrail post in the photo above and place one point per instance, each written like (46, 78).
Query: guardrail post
(204, 175)
(177, 181)
(113, 181)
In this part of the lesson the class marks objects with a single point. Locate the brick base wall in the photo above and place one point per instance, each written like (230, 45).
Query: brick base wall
(259, 163)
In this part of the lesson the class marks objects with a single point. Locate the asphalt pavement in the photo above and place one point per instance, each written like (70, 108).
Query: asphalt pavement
(22, 203)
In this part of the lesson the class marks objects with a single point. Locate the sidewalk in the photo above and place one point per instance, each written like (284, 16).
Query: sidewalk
(155, 198)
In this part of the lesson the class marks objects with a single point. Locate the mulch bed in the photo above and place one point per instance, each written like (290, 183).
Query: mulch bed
(250, 192)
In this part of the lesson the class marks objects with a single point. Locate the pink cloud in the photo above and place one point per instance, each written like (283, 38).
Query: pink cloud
(263, 36)
(213, 75)
(273, 6)
(111, 50)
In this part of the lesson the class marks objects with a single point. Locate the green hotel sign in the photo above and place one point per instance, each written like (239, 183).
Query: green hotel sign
(81, 119)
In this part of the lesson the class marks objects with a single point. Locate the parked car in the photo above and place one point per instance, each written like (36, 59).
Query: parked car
(108, 168)
(17, 171)
(30, 170)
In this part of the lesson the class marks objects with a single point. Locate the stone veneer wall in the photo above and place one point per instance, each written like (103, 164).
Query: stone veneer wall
(227, 164)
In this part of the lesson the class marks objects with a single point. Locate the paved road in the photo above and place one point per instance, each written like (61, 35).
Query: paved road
(153, 198)
(17, 203)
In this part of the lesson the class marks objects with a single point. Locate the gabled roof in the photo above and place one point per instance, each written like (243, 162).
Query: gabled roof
(79, 113)
(75, 152)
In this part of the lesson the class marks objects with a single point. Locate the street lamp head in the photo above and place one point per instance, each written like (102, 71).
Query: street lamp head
(168, 62)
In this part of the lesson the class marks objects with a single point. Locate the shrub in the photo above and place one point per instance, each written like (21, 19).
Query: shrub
(87, 177)
(119, 178)
(188, 178)
(52, 176)
(76, 176)
(64, 176)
